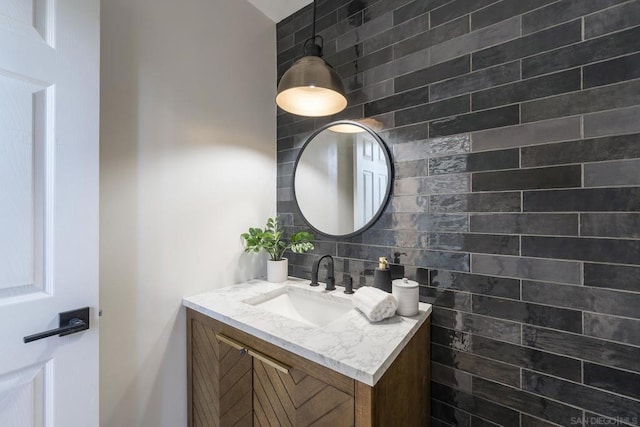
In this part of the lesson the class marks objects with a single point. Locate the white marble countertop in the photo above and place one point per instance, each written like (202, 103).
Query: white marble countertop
(350, 345)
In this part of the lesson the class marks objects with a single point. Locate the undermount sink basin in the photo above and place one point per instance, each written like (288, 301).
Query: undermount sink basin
(306, 306)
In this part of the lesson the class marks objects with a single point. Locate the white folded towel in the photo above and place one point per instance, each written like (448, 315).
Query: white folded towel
(375, 303)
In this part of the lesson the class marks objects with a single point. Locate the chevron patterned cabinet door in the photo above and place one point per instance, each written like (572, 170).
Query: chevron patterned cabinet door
(297, 399)
(220, 381)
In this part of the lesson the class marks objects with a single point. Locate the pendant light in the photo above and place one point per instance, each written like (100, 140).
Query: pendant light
(311, 87)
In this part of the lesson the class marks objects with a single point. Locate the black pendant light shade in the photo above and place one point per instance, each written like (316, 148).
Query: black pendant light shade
(311, 87)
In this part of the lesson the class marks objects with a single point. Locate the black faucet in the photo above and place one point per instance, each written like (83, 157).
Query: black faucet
(331, 281)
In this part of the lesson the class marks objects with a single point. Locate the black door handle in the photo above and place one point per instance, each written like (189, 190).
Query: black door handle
(70, 322)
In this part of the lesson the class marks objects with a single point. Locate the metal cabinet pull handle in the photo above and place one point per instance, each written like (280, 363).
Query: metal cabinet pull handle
(269, 361)
(70, 322)
(261, 357)
(230, 342)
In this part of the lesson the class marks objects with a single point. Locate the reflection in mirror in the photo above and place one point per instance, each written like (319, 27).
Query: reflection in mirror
(342, 178)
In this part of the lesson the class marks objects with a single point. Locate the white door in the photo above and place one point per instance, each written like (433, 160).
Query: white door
(49, 94)
(371, 178)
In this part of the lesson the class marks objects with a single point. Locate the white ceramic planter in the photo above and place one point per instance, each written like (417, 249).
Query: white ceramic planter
(277, 271)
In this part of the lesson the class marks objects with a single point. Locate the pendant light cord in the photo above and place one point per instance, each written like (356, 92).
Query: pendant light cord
(311, 47)
(313, 28)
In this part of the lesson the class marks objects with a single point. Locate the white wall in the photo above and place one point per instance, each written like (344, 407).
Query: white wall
(187, 164)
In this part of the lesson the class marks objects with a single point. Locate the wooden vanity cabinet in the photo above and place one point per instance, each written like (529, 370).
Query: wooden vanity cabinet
(236, 379)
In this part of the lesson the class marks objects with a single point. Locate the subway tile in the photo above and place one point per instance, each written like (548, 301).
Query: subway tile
(534, 314)
(527, 268)
(478, 80)
(526, 179)
(488, 36)
(487, 285)
(487, 119)
(502, 10)
(439, 184)
(286, 156)
(450, 415)
(543, 41)
(453, 144)
(397, 102)
(612, 122)
(427, 222)
(478, 202)
(415, 8)
(612, 277)
(344, 56)
(625, 225)
(586, 298)
(417, 25)
(438, 423)
(476, 162)
(434, 73)
(371, 93)
(295, 128)
(409, 204)
(475, 404)
(529, 421)
(365, 31)
(371, 9)
(612, 71)
(284, 194)
(393, 238)
(447, 299)
(285, 181)
(579, 395)
(407, 134)
(411, 169)
(612, 328)
(526, 402)
(285, 144)
(586, 52)
(587, 150)
(475, 243)
(365, 62)
(586, 200)
(545, 224)
(480, 422)
(502, 330)
(614, 19)
(603, 377)
(432, 38)
(530, 358)
(528, 134)
(496, 371)
(406, 64)
(456, 9)
(553, 84)
(586, 101)
(434, 110)
(612, 174)
(562, 11)
(449, 338)
(580, 248)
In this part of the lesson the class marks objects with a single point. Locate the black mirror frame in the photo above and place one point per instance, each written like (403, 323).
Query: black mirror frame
(390, 171)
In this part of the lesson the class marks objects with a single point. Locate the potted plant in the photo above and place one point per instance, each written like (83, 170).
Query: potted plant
(272, 241)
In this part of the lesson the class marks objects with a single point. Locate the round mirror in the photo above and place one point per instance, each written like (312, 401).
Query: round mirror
(342, 178)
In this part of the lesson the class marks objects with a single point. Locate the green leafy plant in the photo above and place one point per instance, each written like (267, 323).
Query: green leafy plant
(272, 241)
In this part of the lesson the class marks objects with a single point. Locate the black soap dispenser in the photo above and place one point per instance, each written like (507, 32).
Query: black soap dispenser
(382, 275)
(397, 269)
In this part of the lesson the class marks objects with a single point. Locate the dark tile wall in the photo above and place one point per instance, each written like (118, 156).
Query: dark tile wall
(515, 131)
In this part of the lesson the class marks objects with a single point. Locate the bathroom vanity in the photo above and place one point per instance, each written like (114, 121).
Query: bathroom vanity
(270, 354)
